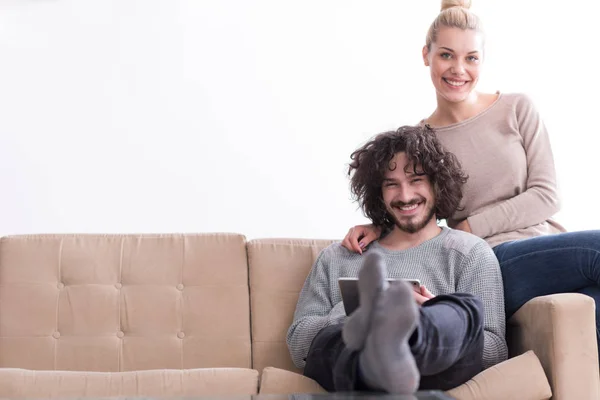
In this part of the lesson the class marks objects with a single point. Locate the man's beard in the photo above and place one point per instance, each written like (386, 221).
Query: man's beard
(412, 224)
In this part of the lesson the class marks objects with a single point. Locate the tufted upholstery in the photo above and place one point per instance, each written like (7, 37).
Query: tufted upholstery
(124, 302)
(79, 312)
(278, 268)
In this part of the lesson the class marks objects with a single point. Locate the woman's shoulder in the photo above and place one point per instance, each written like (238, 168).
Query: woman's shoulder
(518, 100)
(522, 107)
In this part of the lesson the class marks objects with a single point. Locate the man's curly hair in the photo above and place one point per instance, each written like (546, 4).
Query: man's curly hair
(371, 161)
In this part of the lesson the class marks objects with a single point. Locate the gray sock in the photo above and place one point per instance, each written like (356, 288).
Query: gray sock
(386, 363)
(371, 283)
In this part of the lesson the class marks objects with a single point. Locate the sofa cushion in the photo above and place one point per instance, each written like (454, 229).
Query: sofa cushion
(278, 269)
(281, 381)
(124, 302)
(521, 377)
(19, 383)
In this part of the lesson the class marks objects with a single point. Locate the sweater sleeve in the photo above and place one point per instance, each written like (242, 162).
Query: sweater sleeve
(479, 275)
(314, 311)
(540, 200)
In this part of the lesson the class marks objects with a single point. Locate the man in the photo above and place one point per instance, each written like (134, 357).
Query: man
(399, 340)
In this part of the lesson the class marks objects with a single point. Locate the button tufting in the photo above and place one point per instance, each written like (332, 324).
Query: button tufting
(120, 334)
(56, 335)
(180, 335)
(118, 285)
(60, 285)
(180, 286)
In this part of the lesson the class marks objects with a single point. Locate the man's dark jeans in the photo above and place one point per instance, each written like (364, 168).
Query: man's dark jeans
(447, 345)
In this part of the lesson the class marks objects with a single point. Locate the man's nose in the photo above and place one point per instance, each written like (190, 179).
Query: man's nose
(405, 194)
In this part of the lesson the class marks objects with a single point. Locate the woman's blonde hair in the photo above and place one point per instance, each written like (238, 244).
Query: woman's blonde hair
(454, 14)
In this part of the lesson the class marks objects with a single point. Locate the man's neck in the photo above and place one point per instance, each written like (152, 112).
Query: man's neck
(401, 240)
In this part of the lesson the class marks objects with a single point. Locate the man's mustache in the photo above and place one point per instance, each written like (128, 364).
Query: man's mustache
(398, 203)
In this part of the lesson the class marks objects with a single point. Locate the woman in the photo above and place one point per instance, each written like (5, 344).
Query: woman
(511, 193)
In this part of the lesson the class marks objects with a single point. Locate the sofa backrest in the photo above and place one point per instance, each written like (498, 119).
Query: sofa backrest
(124, 302)
(278, 269)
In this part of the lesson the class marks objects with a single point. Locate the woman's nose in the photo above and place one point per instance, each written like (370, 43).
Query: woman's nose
(458, 68)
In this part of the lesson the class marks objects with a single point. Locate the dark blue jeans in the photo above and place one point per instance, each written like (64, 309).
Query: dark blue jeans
(447, 346)
(560, 263)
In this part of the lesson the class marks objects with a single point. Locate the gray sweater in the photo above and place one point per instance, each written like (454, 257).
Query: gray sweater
(451, 262)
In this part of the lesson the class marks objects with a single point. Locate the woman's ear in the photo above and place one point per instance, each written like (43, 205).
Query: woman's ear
(426, 56)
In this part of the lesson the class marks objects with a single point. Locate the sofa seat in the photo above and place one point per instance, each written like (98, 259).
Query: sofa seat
(20, 383)
(524, 372)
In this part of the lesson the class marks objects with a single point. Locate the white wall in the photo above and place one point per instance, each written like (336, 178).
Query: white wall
(238, 115)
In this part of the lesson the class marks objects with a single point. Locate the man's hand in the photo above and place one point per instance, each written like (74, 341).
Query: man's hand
(423, 296)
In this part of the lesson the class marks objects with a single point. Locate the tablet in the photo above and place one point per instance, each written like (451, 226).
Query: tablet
(349, 289)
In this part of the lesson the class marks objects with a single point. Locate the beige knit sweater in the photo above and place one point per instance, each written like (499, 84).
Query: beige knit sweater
(511, 192)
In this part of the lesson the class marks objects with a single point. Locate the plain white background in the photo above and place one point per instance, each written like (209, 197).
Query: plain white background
(240, 116)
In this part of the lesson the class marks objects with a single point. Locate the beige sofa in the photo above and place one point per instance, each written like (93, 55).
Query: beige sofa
(206, 314)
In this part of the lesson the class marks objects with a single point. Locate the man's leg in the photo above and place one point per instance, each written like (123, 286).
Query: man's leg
(448, 342)
(445, 348)
(331, 364)
(386, 362)
(332, 359)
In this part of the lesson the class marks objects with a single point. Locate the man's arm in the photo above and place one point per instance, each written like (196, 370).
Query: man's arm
(314, 311)
(479, 274)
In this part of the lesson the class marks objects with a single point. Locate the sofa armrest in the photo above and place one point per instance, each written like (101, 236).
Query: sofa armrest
(561, 330)
(524, 372)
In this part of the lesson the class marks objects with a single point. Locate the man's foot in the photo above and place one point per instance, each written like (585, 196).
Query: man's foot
(386, 363)
(371, 283)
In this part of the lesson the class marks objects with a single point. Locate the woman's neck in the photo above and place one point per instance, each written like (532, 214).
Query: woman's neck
(448, 113)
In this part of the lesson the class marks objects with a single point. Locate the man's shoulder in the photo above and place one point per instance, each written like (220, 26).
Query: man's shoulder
(336, 251)
(464, 243)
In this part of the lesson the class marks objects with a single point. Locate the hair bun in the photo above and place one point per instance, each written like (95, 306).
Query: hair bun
(446, 4)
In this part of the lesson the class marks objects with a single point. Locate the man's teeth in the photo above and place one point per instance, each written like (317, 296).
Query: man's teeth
(455, 83)
(408, 208)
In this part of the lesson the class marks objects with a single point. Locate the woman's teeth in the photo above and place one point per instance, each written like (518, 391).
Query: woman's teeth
(455, 83)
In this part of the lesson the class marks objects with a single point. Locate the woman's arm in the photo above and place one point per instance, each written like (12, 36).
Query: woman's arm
(540, 200)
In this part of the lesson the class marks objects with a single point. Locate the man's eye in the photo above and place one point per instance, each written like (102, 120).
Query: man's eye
(417, 180)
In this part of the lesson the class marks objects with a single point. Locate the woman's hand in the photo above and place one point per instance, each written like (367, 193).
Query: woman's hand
(423, 296)
(360, 236)
(463, 226)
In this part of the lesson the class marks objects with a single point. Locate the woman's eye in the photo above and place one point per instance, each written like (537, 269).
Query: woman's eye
(446, 56)
(472, 59)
